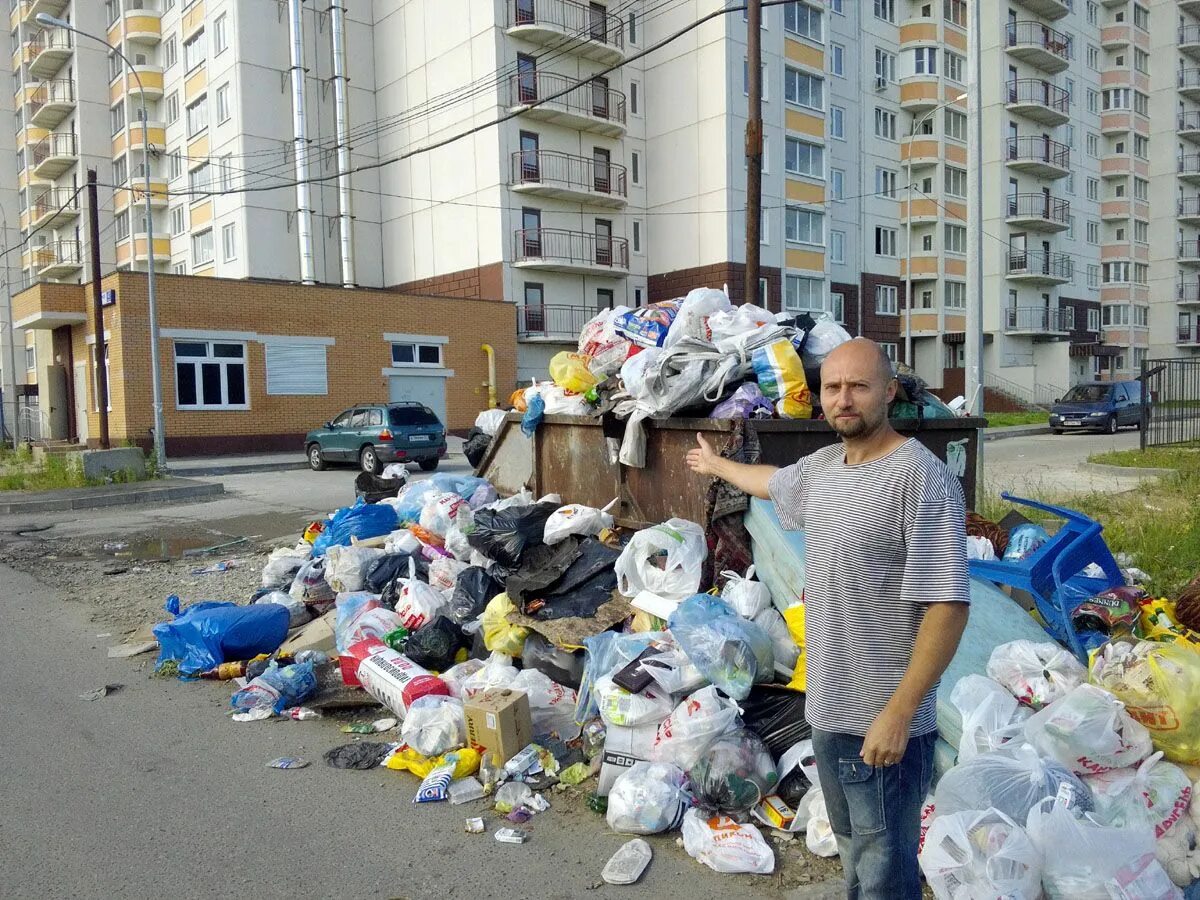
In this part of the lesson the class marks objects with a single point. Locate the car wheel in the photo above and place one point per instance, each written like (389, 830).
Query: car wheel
(428, 465)
(368, 461)
(316, 461)
(1112, 426)
(1056, 431)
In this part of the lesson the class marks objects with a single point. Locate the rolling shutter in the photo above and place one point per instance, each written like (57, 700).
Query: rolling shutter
(296, 369)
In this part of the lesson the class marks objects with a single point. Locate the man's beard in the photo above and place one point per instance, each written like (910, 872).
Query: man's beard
(855, 428)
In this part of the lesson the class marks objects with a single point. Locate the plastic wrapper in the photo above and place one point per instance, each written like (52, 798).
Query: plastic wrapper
(441, 511)
(361, 616)
(1155, 795)
(1036, 674)
(277, 688)
(823, 338)
(551, 705)
(364, 520)
(346, 567)
(298, 612)
(734, 774)
(207, 634)
(434, 725)
(499, 635)
(975, 855)
(474, 588)
(457, 544)
(575, 519)
(455, 676)
(672, 671)
(416, 602)
(730, 651)
(1159, 683)
(744, 595)
(310, 586)
(436, 785)
(727, 324)
(599, 340)
(444, 572)
(648, 325)
(725, 846)
(666, 560)
(556, 663)
(775, 627)
(776, 714)
(692, 727)
(395, 472)
(282, 566)
(434, 645)
(980, 548)
(502, 535)
(1086, 861)
(490, 420)
(406, 759)
(620, 707)
(780, 374)
(648, 798)
(571, 373)
(692, 319)
(1011, 782)
(497, 672)
(1089, 732)
(1023, 541)
(747, 402)
(991, 715)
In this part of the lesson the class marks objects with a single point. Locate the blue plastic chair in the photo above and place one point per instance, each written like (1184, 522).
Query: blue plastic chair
(1052, 574)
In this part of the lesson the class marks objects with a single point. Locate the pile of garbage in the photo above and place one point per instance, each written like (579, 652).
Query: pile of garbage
(505, 639)
(698, 355)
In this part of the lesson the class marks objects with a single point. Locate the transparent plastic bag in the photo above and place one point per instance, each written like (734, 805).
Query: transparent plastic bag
(619, 707)
(362, 618)
(734, 774)
(442, 511)
(978, 855)
(278, 688)
(642, 565)
(694, 312)
(746, 597)
(604, 654)
(346, 567)
(298, 612)
(456, 676)
(551, 704)
(444, 572)
(725, 846)
(774, 626)
(416, 602)
(1154, 795)
(434, 725)
(732, 652)
(310, 586)
(282, 566)
(1089, 732)
(575, 519)
(1011, 782)
(672, 671)
(1036, 674)
(692, 727)
(497, 672)
(991, 715)
(648, 798)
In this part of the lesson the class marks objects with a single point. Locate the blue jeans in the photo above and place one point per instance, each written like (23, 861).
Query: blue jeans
(875, 812)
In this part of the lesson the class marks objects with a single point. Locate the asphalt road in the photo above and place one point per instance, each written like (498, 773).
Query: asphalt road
(1051, 463)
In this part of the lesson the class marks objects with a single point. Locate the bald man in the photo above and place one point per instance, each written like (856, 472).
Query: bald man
(886, 595)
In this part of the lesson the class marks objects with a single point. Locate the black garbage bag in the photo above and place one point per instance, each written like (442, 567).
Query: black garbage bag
(476, 445)
(572, 578)
(559, 665)
(776, 714)
(734, 774)
(386, 568)
(363, 755)
(434, 645)
(473, 590)
(371, 488)
(504, 534)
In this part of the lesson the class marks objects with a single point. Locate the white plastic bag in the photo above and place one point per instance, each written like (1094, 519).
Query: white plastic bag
(551, 704)
(1036, 674)
(417, 603)
(980, 548)
(346, 567)
(402, 541)
(298, 613)
(442, 510)
(786, 651)
(672, 671)
(619, 707)
(310, 586)
(748, 598)
(575, 519)
(725, 325)
(725, 846)
(1089, 732)
(489, 421)
(497, 672)
(818, 834)
(692, 318)
(1178, 850)
(434, 725)
(991, 716)
(1086, 861)
(824, 337)
(1154, 795)
(638, 567)
(392, 471)
(283, 564)
(976, 855)
(457, 544)
(648, 798)
(458, 673)
(1012, 782)
(444, 572)
(692, 727)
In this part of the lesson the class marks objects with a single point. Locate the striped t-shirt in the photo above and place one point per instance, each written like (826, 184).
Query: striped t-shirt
(882, 539)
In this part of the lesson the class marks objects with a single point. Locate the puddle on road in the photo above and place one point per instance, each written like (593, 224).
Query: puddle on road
(168, 548)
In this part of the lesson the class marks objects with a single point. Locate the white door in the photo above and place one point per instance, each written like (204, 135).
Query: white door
(425, 389)
(81, 418)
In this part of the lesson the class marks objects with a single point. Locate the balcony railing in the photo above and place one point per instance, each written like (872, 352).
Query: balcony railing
(51, 201)
(57, 253)
(1187, 334)
(54, 145)
(593, 99)
(582, 173)
(573, 248)
(1039, 262)
(1039, 149)
(1026, 33)
(1039, 206)
(591, 22)
(1189, 78)
(1189, 250)
(1189, 121)
(1039, 319)
(60, 90)
(1187, 292)
(1189, 34)
(1037, 90)
(1189, 207)
(553, 321)
(56, 39)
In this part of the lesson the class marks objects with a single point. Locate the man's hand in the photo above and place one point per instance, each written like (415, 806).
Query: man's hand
(703, 460)
(886, 739)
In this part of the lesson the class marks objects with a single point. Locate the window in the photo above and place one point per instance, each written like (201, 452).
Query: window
(1141, 231)
(955, 295)
(115, 65)
(885, 124)
(804, 20)
(121, 223)
(956, 125)
(172, 107)
(1093, 320)
(202, 247)
(1093, 101)
(178, 220)
(225, 168)
(199, 180)
(210, 375)
(229, 242)
(1141, 146)
(1117, 314)
(956, 66)
(746, 79)
(803, 158)
(1141, 17)
(635, 166)
(837, 60)
(837, 246)
(1141, 189)
(1141, 61)
(1093, 144)
(110, 11)
(925, 61)
(120, 169)
(425, 354)
(837, 185)
(804, 226)
(1093, 57)
(885, 241)
(890, 349)
(169, 52)
(1141, 315)
(636, 240)
(179, 268)
(116, 117)
(885, 299)
(837, 122)
(956, 182)
(803, 89)
(803, 294)
(197, 117)
(31, 357)
(1093, 232)
(1093, 276)
(223, 103)
(1116, 98)
(220, 39)
(955, 238)
(1093, 188)
(1116, 273)
(885, 66)
(955, 12)
(193, 51)
(836, 6)
(886, 10)
(176, 163)
(885, 183)
(1093, 13)
(634, 98)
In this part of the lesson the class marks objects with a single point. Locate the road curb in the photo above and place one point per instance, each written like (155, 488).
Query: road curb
(239, 469)
(1128, 471)
(105, 498)
(1016, 431)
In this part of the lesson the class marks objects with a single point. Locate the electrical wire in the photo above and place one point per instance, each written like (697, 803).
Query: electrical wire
(25, 241)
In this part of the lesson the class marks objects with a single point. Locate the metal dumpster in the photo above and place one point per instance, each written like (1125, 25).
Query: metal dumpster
(568, 455)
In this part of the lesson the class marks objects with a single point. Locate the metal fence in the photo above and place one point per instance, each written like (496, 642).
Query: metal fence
(1171, 411)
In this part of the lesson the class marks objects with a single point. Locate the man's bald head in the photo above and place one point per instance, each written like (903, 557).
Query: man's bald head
(857, 384)
(858, 352)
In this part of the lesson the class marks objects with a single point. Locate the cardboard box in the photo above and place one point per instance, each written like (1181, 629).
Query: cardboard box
(776, 813)
(499, 721)
(316, 635)
(623, 746)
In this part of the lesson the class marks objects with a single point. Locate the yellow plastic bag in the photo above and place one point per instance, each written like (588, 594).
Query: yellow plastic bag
(406, 759)
(571, 373)
(794, 617)
(499, 635)
(1158, 623)
(1159, 683)
(780, 374)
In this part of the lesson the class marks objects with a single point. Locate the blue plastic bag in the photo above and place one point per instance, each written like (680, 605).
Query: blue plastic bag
(604, 654)
(363, 520)
(731, 652)
(534, 414)
(207, 634)
(280, 688)
(1023, 541)
(412, 498)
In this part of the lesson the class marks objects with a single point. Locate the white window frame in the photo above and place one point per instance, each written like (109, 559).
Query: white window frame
(417, 347)
(800, 225)
(170, 52)
(197, 243)
(200, 181)
(195, 51)
(172, 107)
(813, 153)
(209, 359)
(178, 216)
(954, 295)
(837, 60)
(229, 250)
(837, 247)
(196, 111)
(837, 185)
(885, 123)
(815, 84)
(220, 35)
(794, 302)
(885, 241)
(887, 300)
(223, 111)
(954, 238)
(837, 122)
(885, 183)
(794, 23)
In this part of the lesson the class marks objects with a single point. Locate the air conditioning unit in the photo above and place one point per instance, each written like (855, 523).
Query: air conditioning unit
(881, 83)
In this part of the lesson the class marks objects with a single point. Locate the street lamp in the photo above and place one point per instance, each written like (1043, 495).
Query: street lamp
(908, 295)
(11, 364)
(160, 451)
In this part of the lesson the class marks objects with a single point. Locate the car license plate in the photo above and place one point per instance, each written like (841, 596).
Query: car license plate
(1072, 422)
(419, 437)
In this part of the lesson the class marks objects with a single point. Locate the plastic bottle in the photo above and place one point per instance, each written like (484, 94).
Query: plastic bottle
(489, 772)
(316, 657)
(302, 713)
(225, 672)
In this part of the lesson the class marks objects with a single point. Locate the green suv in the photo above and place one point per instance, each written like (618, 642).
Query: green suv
(374, 434)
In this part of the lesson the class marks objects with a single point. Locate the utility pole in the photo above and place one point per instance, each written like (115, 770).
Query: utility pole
(97, 307)
(973, 362)
(754, 145)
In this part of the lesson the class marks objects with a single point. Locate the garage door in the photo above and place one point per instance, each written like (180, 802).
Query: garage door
(429, 390)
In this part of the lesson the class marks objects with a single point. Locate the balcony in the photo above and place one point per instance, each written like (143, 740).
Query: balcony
(1114, 37)
(1188, 210)
(143, 26)
(51, 102)
(1187, 293)
(585, 105)
(1187, 334)
(53, 155)
(1190, 6)
(560, 250)
(1039, 45)
(1039, 100)
(548, 173)
(552, 323)
(133, 192)
(1039, 321)
(1189, 41)
(1039, 267)
(1189, 83)
(57, 259)
(587, 30)
(31, 8)
(162, 247)
(1189, 169)
(1039, 156)
(54, 206)
(149, 81)
(1188, 252)
(1038, 212)
(1048, 9)
(1188, 126)
(48, 52)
